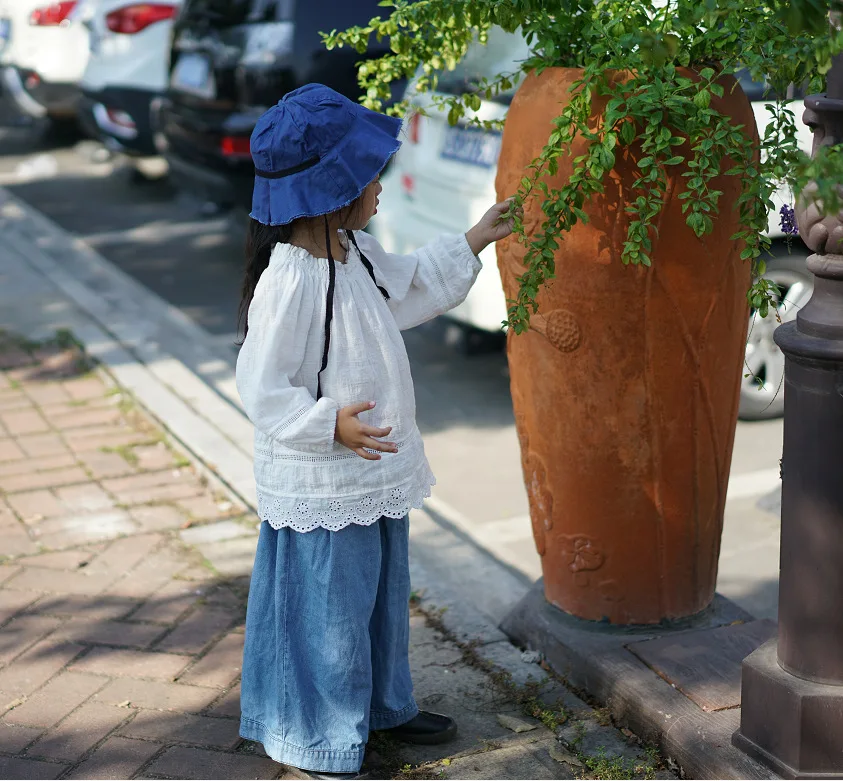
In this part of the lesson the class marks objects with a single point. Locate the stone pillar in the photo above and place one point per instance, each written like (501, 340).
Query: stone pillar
(792, 687)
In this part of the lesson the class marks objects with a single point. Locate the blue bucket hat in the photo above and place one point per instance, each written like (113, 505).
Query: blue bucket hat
(314, 152)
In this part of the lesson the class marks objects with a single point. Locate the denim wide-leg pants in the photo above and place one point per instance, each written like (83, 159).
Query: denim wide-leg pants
(327, 642)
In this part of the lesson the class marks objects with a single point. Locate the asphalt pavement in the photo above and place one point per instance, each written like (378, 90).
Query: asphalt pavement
(191, 257)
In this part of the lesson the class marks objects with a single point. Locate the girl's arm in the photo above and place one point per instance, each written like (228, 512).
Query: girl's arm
(272, 366)
(437, 277)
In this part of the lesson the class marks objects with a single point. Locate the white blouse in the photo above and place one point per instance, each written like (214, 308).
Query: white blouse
(305, 479)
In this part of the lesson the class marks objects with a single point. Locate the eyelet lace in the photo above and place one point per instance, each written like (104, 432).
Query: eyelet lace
(280, 512)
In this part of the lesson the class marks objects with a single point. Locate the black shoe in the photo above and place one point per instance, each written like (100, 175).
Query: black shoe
(426, 729)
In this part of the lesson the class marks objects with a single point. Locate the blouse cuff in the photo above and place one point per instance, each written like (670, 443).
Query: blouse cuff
(466, 266)
(311, 429)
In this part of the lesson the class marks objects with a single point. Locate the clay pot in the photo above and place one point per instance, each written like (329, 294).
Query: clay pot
(626, 387)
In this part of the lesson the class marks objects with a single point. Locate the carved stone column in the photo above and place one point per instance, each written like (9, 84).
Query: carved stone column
(792, 687)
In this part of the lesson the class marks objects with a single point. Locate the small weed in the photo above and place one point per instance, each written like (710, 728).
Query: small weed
(579, 735)
(126, 405)
(77, 403)
(603, 716)
(179, 461)
(14, 384)
(552, 718)
(604, 767)
(65, 339)
(608, 768)
(207, 565)
(415, 598)
(113, 391)
(125, 452)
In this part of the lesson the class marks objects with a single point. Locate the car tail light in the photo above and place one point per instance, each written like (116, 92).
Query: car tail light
(121, 118)
(132, 19)
(413, 128)
(52, 15)
(235, 146)
(408, 184)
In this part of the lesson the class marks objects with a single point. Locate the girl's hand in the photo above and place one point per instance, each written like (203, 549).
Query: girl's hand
(356, 435)
(493, 226)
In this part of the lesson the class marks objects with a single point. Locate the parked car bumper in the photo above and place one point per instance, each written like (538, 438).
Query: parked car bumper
(192, 150)
(135, 139)
(207, 184)
(37, 98)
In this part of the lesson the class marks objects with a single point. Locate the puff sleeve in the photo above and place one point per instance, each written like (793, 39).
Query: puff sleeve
(276, 363)
(428, 282)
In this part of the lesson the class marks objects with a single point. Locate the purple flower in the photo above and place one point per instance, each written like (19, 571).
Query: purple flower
(787, 220)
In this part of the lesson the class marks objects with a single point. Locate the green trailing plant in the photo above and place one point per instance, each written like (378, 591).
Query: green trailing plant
(676, 56)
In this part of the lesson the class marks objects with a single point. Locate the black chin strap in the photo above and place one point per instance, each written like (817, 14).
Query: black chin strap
(329, 301)
(368, 264)
(329, 310)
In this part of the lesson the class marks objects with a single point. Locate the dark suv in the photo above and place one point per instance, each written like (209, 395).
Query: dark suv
(230, 61)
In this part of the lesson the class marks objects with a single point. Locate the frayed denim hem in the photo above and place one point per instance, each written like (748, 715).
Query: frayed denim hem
(390, 719)
(323, 760)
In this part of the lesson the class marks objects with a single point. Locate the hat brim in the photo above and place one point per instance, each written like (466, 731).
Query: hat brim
(337, 180)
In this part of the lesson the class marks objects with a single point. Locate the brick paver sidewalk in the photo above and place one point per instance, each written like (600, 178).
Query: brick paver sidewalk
(119, 648)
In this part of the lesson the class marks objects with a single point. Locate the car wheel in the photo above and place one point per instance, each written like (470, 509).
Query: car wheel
(762, 386)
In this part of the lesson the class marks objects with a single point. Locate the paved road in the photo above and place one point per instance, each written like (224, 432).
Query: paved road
(166, 241)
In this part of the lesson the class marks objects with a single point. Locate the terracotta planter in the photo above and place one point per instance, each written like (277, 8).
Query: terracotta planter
(626, 388)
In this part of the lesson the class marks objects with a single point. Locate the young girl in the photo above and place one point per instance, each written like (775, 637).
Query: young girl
(339, 461)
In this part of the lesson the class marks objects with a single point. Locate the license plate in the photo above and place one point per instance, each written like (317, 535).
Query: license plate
(193, 74)
(472, 145)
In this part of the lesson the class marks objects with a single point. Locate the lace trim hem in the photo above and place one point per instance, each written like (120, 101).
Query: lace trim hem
(301, 516)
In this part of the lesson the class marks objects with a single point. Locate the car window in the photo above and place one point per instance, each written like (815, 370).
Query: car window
(502, 53)
(227, 13)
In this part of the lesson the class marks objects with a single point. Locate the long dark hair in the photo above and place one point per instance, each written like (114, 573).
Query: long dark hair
(260, 241)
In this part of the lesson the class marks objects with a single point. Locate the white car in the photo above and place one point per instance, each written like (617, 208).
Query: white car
(443, 179)
(43, 54)
(127, 70)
